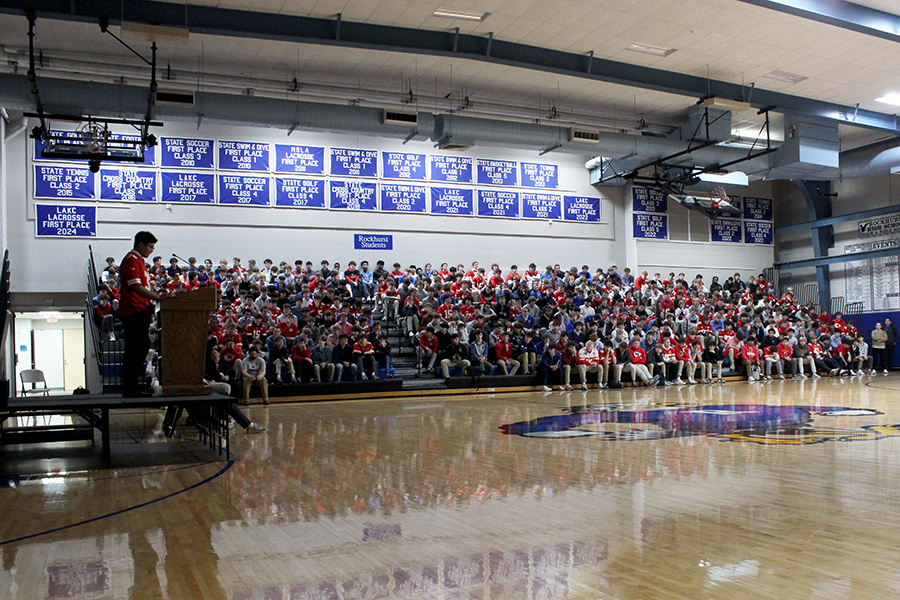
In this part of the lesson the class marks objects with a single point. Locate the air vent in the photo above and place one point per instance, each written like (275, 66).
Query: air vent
(779, 75)
(397, 117)
(175, 97)
(446, 144)
(586, 136)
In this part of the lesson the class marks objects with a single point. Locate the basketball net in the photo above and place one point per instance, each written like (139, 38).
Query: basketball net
(716, 197)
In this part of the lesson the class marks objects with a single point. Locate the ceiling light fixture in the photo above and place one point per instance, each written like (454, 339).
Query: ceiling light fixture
(726, 104)
(726, 178)
(892, 98)
(454, 13)
(651, 49)
(786, 76)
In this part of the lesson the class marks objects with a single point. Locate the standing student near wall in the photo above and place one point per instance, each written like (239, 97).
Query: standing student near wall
(879, 348)
(890, 343)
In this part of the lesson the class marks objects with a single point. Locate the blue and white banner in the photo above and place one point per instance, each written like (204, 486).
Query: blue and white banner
(129, 185)
(403, 165)
(243, 156)
(189, 188)
(298, 159)
(540, 176)
(299, 193)
(398, 197)
(72, 183)
(354, 162)
(759, 232)
(187, 153)
(244, 190)
(496, 172)
(651, 227)
(647, 200)
(373, 241)
(451, 201)
(353, 195)
(581, 208)
(451, 169)
(541, 206)
(53, 220)
(498, 203)
(725, 230)
(758, 209)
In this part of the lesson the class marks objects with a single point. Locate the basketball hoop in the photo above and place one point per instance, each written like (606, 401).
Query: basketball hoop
(716, 197)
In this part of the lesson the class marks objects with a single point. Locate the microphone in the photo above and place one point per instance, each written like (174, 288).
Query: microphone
(181, 259)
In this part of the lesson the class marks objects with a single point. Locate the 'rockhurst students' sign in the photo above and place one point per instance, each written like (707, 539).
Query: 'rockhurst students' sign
(371, 241)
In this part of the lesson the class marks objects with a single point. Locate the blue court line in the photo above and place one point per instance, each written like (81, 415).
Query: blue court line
(227, 466)
(877, 387)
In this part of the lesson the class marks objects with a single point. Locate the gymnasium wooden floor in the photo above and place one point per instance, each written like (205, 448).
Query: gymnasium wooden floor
(429, 498)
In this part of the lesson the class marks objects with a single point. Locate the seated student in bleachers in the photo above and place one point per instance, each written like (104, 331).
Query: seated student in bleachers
(803, 356)
(301, 358)
(860, 359)
(636, 364)
(230, 357)
(280, 359)
(253, 369)
(786, 355)
(383, 354)
(842, 355)
(772, 361)
(668, 352)
(364, 357)
(526, 349)
(588, 362)
(550, 368)
(752, 360)
(427, 350)
(503, 352)
(478, 354)
(454, 355)
(409, 315)
(321, 359)
(342, 357)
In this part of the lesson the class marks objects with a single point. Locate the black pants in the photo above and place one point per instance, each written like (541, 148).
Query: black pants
(889, 362)
(136, 327)
(550, 376)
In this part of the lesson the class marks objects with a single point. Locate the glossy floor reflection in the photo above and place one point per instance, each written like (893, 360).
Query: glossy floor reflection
(665, 493)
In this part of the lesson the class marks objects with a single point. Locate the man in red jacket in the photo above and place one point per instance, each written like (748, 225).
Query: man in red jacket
(503, 352)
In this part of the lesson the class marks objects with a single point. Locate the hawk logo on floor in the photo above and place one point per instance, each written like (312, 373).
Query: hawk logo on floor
(757, 423)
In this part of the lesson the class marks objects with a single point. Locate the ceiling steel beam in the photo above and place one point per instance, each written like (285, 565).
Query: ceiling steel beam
(839, 13)
(875, 212)
(229, 22)
(840, 258)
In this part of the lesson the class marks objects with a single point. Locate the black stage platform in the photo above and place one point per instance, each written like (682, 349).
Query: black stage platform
(209, 413)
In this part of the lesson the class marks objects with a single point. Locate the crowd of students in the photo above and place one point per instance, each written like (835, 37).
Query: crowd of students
(299, 323)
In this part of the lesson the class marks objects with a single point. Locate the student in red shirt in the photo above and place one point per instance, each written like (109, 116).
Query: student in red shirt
(786, 355)
(637, 364)
(136, 313)
(364, 355)
(503, 352)
(428, 347)
(751, 358)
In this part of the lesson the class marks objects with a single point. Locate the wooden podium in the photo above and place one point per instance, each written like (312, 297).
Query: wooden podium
(183, 324)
